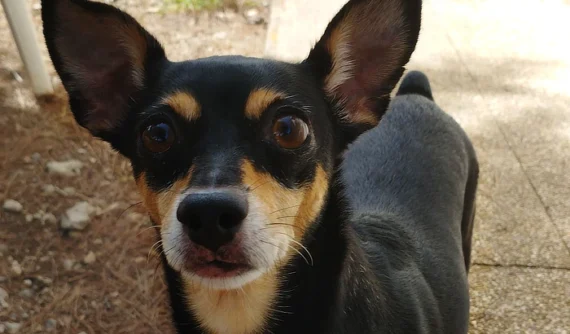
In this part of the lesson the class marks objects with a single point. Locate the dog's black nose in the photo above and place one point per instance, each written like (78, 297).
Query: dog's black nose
(212, 219)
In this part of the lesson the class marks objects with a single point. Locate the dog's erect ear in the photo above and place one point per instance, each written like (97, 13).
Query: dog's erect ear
(103, 58)
(362, 55)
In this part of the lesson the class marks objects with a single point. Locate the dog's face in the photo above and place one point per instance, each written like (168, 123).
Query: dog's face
(233, 156)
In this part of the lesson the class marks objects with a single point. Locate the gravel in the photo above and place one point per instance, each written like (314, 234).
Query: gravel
(26, 293)
(51, 325)
(89, 258)
(77, 217)
(65, 168)
(16, 268)
(11, 205)
(3, 299)
(12, 327)
(68, 264)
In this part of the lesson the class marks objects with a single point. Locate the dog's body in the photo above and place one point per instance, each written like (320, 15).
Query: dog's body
(282, 205)
(392, 250)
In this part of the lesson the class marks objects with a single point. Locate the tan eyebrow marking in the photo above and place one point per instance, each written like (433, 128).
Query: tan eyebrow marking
(258, 101)
(184, 104)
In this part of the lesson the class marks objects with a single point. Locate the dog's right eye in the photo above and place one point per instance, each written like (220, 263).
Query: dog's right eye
(158, 138)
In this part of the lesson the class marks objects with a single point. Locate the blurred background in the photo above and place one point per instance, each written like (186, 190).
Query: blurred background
(75, 245)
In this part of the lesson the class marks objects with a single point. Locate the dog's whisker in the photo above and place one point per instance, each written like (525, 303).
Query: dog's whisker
(300, 245)
(128, 208)
(287, 208)
(284, 217)
(274, 225)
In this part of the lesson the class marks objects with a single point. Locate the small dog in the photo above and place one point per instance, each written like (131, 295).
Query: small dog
(289, 197)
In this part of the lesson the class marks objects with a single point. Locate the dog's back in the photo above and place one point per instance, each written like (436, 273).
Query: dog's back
(411, 184)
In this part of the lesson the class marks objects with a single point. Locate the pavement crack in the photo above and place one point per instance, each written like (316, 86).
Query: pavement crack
(523, 266)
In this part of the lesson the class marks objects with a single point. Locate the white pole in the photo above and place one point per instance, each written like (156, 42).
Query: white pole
(20, 20)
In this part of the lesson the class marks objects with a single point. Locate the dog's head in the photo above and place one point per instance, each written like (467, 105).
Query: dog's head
(233, 156)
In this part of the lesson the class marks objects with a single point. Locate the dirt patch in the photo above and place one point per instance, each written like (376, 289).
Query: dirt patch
(105, 278)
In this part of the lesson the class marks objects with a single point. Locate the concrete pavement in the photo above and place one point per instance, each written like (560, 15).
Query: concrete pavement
(502, 69)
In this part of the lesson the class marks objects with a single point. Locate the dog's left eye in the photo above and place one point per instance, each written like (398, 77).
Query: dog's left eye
(290, 132)
(158, 138)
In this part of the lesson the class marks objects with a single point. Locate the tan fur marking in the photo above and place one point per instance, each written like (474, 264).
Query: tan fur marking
(303, 203)
(239, 311)
(258, 101)
(158, 204)
(184, 104)
(313, 199)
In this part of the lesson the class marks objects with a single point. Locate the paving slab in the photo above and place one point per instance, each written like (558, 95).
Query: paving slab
(534, 301)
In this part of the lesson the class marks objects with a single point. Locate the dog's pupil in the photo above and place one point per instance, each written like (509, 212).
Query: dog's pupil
(286, 126)
(159, 132)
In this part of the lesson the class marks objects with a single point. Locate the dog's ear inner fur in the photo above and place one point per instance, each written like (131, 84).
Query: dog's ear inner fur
(362, 54)
(101, 55)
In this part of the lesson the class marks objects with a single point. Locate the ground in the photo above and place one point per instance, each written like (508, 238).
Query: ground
(501, 69)
(61, 288)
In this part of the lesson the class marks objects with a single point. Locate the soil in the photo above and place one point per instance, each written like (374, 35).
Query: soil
(105, 278)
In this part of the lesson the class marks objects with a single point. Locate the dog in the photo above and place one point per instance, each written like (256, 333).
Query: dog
(290, 197)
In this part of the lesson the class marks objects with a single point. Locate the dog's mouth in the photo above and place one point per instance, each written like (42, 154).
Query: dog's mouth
(220, 269)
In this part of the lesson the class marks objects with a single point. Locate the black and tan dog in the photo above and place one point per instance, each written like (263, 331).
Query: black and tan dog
(276, 215)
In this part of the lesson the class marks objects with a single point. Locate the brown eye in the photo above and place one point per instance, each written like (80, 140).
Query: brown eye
(158, 138)
(290, 132)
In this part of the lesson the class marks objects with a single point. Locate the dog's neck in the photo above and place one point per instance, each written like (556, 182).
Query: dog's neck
(297, 297)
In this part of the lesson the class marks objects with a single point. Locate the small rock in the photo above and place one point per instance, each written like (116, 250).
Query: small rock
(11, 205)
(98, 241)
(3, 296)
(16, 268)
(114, 294)
(25, 315)
(81, 150)
(68, 264)
(139, 259)
(12, 327)
(28, 282)
(49, 188)
(44, 259)
(48, 218)
(77, 217)
(29, 218)
(253, 16)
(89, 258)
(82, 333)
(36, 157)
(27, 159)
(69, 191)
(50, 325)
(38, 215)
(92, 160)
(65, 168)
(26, 293)
(44, 281)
